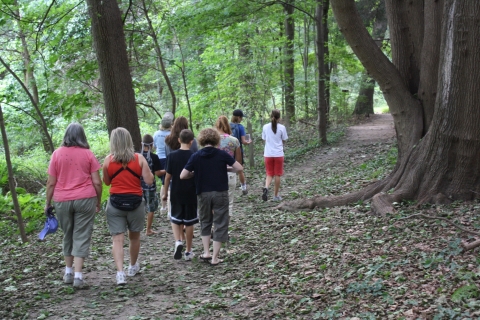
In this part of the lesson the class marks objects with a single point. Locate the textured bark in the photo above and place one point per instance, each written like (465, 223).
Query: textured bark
(111, 50)
(289, 64)
(321, 74)
(442, 165)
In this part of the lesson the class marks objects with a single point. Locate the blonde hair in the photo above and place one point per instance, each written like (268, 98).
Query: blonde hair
(223, 125)
(121, 146)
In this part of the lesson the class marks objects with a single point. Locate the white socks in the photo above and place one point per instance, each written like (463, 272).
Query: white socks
(244, 186)
(78, 275)
(68, 270)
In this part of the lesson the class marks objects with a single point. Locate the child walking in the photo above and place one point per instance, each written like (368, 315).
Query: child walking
(150, 191)
(275, 136)
(183, 197)
(209, 167)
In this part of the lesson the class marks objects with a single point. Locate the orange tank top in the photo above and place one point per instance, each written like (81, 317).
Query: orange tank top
(125, 182)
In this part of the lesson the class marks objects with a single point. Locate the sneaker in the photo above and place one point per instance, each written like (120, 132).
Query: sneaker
(189, 256)
(132, 270)
(244, 192)
(178, 250)
(277, 198)
(68, 278)
(265, 194)
(121, 279)
(78, 283)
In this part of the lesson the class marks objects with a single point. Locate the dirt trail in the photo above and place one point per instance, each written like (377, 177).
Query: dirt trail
(169, 289)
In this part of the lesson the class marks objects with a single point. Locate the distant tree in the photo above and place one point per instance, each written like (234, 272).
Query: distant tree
(432, 86)
(111, 51)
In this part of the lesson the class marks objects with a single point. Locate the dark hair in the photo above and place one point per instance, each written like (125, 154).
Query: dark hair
(172, 139)
(235, 119)
(147, 139)
(186, 136)
(75, 136)
(274, 117)
(223, 125)
(209, 136)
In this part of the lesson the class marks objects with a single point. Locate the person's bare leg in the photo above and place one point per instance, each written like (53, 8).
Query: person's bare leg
(78, 264)
(241, 176)
(164, 203)
(117, 251)
(268, 181)
(216, 251)
(68, 261)
(206, 246)
(189, 237)
(134, 246)
(149, 230)
(177, 231)
(277, 185)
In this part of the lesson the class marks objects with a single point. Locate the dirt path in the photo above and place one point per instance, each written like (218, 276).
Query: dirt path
(169, 289)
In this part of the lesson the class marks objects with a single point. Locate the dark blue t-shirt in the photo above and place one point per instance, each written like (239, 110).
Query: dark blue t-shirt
(210, 168)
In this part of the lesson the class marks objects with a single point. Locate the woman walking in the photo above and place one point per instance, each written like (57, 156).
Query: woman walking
(275, 136)
(122, 170)
(231, 145)
(76, 188)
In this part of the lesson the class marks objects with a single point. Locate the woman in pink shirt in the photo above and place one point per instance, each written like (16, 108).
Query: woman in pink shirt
(76, 188)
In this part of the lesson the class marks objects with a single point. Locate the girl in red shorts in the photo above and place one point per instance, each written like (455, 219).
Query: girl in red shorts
(275, 136)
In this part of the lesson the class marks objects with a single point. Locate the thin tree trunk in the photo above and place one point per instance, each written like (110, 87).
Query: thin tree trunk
(321, 101)
(11, 180)
(158, 50)
(289, 64)
(328, 68)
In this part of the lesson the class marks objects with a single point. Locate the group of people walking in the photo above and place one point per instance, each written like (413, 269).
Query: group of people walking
(197, 186)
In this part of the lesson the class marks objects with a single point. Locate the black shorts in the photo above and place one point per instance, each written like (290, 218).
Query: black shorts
(185, 214)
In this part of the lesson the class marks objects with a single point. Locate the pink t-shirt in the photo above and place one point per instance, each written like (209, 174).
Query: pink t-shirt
(73, 166)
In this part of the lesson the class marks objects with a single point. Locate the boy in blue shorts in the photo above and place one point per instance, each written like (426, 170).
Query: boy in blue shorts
(150, 191)
(183, 197)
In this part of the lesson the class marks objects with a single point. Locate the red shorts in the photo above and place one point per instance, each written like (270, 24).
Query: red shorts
(274, 166)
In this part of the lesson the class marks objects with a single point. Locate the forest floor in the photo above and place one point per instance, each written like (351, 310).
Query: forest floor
(339, 263)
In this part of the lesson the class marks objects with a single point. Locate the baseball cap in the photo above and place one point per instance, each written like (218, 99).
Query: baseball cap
(51, 224)
(238, 113)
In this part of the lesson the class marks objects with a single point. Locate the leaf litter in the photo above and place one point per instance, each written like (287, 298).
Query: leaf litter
(337, 263)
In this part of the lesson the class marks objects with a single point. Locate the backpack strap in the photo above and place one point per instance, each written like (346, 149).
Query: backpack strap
(128, 169)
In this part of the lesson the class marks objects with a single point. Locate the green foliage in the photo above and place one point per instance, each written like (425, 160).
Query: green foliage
(465, 292)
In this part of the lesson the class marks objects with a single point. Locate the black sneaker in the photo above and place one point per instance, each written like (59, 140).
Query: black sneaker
(265, 194)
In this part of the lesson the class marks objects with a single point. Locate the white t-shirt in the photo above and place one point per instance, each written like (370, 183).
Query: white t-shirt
(274, 141)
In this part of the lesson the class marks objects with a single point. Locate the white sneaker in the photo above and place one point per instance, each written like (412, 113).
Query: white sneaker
(189, 256)
(178, 250)
(121, 279)
(132, 270)
(68, 278)
(78, 283)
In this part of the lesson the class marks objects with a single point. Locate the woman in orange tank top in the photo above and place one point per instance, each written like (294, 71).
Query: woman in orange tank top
(123, 169)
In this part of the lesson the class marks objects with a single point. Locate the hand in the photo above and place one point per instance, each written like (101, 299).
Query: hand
(48, 210)
(98, 207)
(165, 198)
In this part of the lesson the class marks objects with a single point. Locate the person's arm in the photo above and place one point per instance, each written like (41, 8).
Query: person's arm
(245, 141)
(106, 177)
(147, 175)
(97, 184)
(238, 154)
(166, 185)
(160, 173)
(51, 182)
(236, 167)
(185, 174)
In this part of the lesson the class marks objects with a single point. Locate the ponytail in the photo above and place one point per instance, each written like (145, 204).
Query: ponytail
(275, 117)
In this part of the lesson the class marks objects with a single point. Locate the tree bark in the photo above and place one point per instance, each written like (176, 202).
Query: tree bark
(442, 165)
(11, 181)
(289, 64)
(111, 50)
(321, 74)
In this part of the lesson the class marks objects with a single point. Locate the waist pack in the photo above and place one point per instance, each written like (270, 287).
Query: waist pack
(125, 202)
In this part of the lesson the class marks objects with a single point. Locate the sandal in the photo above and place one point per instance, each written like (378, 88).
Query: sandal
(205, 259)
(215, 264)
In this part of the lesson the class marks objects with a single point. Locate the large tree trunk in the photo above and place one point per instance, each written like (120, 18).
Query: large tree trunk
(111, 50)
(442, 165)
(289, 64)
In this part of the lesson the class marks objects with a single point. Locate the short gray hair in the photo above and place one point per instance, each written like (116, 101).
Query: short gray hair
(75, 136)
(121, 145)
